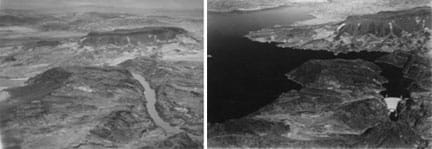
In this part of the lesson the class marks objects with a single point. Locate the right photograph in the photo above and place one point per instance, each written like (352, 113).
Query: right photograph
(319, 74)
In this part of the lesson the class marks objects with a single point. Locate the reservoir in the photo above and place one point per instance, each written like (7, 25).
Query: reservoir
(243, 75)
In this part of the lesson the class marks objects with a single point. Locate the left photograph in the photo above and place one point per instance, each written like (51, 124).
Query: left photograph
(97, 74)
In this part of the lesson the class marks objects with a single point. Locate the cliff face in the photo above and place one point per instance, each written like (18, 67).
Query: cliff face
(385, 32)
(141, 36)
(81, 107)
(388, 23)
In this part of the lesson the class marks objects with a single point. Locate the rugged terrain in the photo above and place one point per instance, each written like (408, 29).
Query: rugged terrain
(78, 80)
(27, 50)
(340, 104)
(386, 31)
(179, 88)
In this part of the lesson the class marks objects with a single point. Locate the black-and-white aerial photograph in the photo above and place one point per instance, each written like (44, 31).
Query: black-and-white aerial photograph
(101, 74)
(319, 74)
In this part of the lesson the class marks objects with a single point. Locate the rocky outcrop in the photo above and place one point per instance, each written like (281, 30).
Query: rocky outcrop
(387, 31)
(83, 108)
(338, 106)
(144, 36)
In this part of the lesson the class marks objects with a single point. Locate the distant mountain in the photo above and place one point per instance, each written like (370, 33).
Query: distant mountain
(386, 31)
(137, 36)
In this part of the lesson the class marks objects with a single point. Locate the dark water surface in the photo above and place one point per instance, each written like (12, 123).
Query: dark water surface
(243, 76)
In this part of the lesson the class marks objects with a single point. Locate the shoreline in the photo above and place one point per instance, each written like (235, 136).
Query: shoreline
(247, 10)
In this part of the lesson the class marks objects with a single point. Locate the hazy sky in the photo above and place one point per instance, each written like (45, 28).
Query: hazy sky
(144, 4)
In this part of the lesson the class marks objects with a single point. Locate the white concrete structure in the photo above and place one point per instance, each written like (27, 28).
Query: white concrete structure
(392, 103)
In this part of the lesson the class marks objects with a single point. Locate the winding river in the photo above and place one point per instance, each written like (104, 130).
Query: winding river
(150, 96)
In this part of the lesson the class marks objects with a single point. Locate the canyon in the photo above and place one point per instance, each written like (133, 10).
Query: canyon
(340, 103)
(66, 81)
